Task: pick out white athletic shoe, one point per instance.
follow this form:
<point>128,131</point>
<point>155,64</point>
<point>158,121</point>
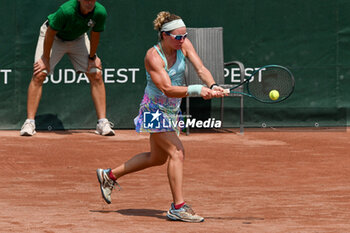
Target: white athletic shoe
<point>185,213</point>
<point>28,128</point>
<point>104,128</point>
<point>106,184</point>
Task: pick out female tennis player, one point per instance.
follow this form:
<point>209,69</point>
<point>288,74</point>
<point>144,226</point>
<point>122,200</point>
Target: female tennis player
<point>165,67</point>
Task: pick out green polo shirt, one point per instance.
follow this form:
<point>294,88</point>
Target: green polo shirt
<point>71,24</point>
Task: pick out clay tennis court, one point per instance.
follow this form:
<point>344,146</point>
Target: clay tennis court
<point>262,181</point>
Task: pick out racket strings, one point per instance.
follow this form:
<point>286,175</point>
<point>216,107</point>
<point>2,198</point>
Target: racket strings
<point>273,78</point>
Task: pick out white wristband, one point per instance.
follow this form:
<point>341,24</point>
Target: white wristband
<point>194,90</point>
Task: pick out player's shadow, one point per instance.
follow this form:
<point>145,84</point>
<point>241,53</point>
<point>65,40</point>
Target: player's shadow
<point>161,215</point>
<point>137,212</point>
<point>245,220</point>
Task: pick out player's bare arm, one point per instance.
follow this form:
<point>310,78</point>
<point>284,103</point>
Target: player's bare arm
<point>201,70</point>
<point>155,67</point>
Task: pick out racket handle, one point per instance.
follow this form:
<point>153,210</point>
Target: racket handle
<point>226,91</point>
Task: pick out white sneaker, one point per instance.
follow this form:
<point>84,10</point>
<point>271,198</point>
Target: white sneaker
<point>106,184</point>
<point>185,213</point>
<point>28,128</point>
<point>104,128</point>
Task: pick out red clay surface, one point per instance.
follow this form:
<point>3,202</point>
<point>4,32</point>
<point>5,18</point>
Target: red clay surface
<point>257,182</point>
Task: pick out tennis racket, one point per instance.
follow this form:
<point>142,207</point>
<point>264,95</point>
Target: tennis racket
<point>268,84</point>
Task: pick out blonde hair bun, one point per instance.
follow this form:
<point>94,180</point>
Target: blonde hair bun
<point>162,18</point>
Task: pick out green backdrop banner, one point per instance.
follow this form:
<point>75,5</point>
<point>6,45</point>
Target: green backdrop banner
<point>311,38</point>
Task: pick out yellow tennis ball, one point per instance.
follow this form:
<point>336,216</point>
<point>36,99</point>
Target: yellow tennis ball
<point>274,95</point>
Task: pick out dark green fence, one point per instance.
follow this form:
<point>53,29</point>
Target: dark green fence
<point>309,37</point>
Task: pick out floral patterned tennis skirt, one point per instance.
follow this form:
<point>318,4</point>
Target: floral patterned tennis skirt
<point>159,114</point>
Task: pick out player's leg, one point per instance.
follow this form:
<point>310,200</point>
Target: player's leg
<point>158,156</point>
<point>79,56</point>
<point>36,83</point>
<point>170,143</point>
<point>108,177</point>
<point>163,146</point>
